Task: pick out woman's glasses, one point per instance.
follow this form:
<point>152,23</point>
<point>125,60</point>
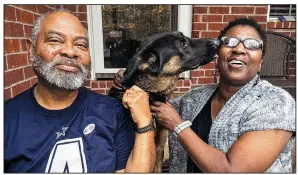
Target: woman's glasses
<point>249,43</point>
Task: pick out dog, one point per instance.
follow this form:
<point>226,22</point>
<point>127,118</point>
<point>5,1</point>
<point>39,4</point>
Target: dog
<point>156,67</point>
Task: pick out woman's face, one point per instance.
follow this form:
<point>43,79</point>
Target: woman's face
<point>238,65</point>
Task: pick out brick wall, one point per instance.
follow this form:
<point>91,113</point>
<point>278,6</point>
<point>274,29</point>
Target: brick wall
<point>208,20</point>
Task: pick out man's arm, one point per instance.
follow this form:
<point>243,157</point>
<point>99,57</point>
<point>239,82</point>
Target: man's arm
<point>142,157</point>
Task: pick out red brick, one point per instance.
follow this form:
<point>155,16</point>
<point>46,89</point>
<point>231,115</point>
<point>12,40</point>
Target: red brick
<point>9,13</point>
<point>16,60</point>
<point>259,18</point>
<point>271,25</point>
<point>194,81</point>
<point>87,83</point>
<point>102,84</point>
<point>82,16</point>
<point>205,80</point>
<point>293,25</point>
<point>94,84</point>
<point>209,73</point>
<point>210,65</point>
<point>210,34</point>
<point>13,29</point>
<point>42,9</point>
<point>218,10</point>
<point>5,65</point>
<point>23,44</point>
<point>33,81</point>
<point>82,8</point>
<point>13,76</point>
<point>28,71</point>
<point>199,26</point>
<point>242,10</point>
<point>212,18</point>
<point>109,84</point>
<point>24,17</point>
<point>7,94</point>
<point>85,24</point>
<point>72,8</point>
<point>228,18</point>
<point>199,10</point>
<point>183,89</point>
<point>261,10</point>
<point>195,34</point>
<point>216,26</point>
<point>99,91</point>
<point>19,88</point>
<point>30,7</point>
<point>186,83</point>
<point>263,26</point>
<point>11,45</point>
<point>179,83</point>
<point>28,30</point>
<point>196,18</point>
<point>196,73</point>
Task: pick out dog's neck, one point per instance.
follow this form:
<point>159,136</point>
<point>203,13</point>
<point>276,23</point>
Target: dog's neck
<point>157,84</point>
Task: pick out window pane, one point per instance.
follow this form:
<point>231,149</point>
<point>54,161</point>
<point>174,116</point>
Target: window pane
<point>282,10</point>
<point>124,26</point>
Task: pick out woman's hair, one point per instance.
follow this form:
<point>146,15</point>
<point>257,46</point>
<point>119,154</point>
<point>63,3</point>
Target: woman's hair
<point>246,22</point>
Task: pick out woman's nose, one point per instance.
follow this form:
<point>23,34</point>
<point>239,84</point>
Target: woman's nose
<point>239,48</point>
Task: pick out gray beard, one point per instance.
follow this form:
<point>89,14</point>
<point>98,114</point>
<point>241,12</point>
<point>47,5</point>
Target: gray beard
<point>60,78</point>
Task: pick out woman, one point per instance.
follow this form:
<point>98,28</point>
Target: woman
<point>243,124</point>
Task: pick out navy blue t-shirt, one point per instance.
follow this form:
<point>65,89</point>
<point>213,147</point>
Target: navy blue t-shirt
<point>91,135</point>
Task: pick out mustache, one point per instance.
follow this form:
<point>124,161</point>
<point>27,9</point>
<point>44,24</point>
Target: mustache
<point>68,62</point>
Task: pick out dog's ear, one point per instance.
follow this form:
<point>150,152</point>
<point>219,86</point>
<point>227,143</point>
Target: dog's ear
<point>131,70</point>
<point>151,64</point>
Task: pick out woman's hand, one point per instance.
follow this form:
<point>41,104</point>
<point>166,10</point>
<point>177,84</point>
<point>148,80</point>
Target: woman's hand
<point>137,101</point>
<point>166,115</point>
<point>118,80</point>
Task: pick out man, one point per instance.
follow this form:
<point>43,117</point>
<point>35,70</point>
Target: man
<point>60,126</point>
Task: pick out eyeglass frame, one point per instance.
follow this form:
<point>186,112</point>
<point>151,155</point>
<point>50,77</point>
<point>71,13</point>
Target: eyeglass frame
<point>242,41</point>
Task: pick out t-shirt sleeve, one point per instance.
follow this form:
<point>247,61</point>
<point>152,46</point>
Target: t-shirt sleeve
<point>125,137</point>
<point>274,111</point>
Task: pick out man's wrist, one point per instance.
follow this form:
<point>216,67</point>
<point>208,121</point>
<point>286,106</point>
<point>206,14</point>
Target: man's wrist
<point>140,129</point>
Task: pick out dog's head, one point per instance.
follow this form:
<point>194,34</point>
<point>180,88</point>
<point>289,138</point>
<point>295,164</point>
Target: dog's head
<point>168,54</point>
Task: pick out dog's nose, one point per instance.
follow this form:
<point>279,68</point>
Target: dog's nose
<point>216,42</point>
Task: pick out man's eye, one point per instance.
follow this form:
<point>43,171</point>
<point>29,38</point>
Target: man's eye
<point>82,45</point>
<point>54,40</point>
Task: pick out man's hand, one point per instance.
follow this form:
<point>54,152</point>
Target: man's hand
<point>118,80</point>
<point>137,101</point>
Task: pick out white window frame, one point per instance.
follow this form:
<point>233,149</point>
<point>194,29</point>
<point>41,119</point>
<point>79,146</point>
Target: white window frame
<point>95,35</point>
<point>274,18</point>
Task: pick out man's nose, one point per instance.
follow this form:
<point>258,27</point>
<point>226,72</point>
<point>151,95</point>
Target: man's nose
<point>68,50</point>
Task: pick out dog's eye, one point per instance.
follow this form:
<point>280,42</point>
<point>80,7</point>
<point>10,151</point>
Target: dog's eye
<point>184,45</point>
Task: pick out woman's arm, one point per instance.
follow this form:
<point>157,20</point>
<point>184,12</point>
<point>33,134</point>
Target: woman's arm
<point>254,151</point>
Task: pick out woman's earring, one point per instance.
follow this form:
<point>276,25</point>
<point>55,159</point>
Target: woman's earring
<point>215,70</point>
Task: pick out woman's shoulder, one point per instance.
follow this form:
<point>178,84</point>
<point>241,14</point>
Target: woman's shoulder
<point>270,91</point>
<point>202,91</point>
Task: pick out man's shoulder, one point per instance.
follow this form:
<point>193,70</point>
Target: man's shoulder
<point>19,100</point>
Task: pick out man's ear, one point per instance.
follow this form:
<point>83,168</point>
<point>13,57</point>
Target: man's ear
<point>30,46</point>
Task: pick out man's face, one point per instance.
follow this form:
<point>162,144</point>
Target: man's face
<point>61,55</point>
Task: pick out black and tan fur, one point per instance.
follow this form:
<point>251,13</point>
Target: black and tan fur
<point>156,67</point>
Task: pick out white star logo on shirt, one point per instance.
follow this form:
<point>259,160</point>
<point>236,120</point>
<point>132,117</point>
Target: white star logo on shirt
<point>61,133</point>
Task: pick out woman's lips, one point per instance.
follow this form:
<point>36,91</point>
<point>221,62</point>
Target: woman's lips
<point>67,68</point>
<point>236,63</point>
